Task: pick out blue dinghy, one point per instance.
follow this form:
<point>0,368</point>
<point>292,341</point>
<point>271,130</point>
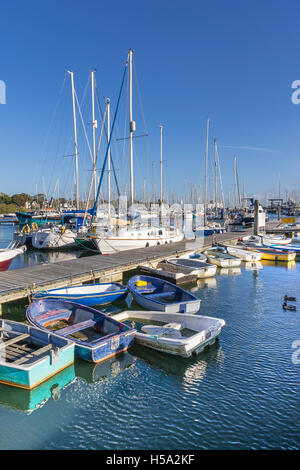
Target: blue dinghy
<point>97,337</point>
<point>29,356</point>
<point>88,294</point>
<point>156,294</point>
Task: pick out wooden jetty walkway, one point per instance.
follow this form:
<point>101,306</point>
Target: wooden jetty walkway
<point>21,283</point>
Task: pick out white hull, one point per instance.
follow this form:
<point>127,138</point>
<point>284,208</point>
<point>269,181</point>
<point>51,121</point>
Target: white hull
<point>7,254</point>
<point>53,239</point>
<point>206,330</point>
<point>223,263</point>
<point>244,255</point>
<point>202,271</point>
<point>108,245</point>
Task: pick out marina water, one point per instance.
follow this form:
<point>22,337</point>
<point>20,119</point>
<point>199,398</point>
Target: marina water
<point>241,393</point>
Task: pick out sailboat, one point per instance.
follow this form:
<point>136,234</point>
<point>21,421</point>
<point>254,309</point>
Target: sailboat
<point>117,238</point>
<point>62,236</point>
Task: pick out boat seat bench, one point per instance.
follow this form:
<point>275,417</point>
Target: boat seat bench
<point>77,327</point>
<point>16,339</point>
<point>36,353</point>
<point>160,294</point>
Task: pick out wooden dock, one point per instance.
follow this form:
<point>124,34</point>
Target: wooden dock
<point>21,283</point>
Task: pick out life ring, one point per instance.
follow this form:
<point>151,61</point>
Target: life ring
<point>26,229</point>
<point>34,226</point>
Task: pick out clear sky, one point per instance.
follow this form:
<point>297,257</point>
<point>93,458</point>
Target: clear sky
<point>233,61</point>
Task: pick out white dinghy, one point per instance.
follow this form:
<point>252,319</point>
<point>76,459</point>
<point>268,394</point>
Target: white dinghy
<point>242,254</point>
<point>194,266</point>
<point>177,334</point>
<point>217,255</point>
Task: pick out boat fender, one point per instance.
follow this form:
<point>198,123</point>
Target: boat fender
<point>141,283</point>
<point>34,226</point>
<point>26,229</point>
<point>63,229</point>
<point>55,392</point>
<point>54,356</point>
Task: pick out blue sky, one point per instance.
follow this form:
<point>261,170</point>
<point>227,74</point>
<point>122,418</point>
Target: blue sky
<point>233,61</point>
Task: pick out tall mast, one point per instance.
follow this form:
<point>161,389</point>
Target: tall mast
<point>75,140</point>
<point>237,198</point>
<point>234,175</point>
<point>206,163</point>
<point>94,125</point>
<point>108,156</point>
<point>215,168</point>
<point>161,162</point>
<point>131,127</point>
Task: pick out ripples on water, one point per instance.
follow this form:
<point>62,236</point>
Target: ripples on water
<point>243,392</point>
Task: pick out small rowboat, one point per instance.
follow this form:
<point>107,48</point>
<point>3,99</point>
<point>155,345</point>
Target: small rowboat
<point>177,334</point>
<point>29,356</point>
<point>218,255</point>
<point>88,294</point>
<point>272,254</point>
<point>288,248</point>
<point>156,294</point>
<point>278,239</point>
<point>193,266</point>
<point>8,254</point>
<point>194,256</point>
<point>243,254</point>
<point>97,337</point>
<point>267,240</point>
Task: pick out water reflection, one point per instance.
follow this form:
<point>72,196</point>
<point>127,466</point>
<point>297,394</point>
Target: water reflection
<point>183,368</point>
<point>282,264</point>
<point>96,372</point>
<point>252,266</point>
<point>210,282</point>
<point>30,400</point>
<point>228,271</point>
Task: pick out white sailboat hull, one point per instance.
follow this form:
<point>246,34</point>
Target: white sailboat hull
<point>110,245</point>
<point>53,240</point>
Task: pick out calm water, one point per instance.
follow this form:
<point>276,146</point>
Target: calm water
<point>241,393</point>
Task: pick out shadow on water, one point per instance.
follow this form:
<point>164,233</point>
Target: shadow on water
<point>92,373</point>
<point>179,366</point>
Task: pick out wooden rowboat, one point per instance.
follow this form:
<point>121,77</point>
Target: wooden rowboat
<point>97,337</point>
<point>272,254</point>
<point>88,294</point>
<point>218,255</point>
<point>29,356</point>
<point>156,294</point>
<point>194,266</point>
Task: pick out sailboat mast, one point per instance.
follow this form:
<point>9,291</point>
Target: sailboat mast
<point>206,163</point>
<point>94,125</point>
<point>215,168</point>
<point>131,127</point>
<point>75,140</point>
<point>235,184</point>
<point>161,163</point>
<point>108,156</point>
